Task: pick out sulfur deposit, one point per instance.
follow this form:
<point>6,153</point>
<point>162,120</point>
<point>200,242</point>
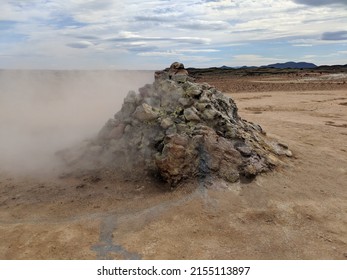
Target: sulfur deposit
<point>176,129</point>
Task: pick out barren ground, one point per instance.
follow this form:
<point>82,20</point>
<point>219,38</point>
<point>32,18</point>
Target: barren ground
<point>299,211</point>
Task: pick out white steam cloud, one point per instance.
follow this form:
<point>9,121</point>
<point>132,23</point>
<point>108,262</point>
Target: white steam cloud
<point>42,112</point>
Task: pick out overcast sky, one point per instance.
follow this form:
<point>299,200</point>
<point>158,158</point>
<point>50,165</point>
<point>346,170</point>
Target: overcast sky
<point>140,34</point>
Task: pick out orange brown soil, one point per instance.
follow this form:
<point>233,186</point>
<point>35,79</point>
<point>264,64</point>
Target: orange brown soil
<point>299,211</point>
<point>265,80</point>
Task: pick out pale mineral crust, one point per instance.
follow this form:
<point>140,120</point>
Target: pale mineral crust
<point>176,129</point>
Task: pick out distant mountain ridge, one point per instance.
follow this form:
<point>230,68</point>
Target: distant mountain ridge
<point>289,64</point>
<point>293,65</point>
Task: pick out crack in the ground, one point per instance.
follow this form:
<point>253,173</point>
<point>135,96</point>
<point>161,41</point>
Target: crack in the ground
<point>108,226</point>
<point>111,221</point>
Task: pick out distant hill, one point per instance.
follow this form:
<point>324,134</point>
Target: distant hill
<point>293,65</point>
<point>264,70</point>
<point>332,67</point>
<point>290,64</point>
<point>226,67</point>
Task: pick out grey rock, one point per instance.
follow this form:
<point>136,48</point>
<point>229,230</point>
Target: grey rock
<point>191,114</point>
<point>117,132</point>
<point>192,89</point>
<point>204,98</point>
<point>128,128</point>
<point>145,112</point>
<point>171,130</point>
<point>183,128</point>
<point>200,106</point>
<point>209,114</point>
<point>178,129</point>
<point>169,97</point>
<point>166,123</point>
<point>105,131</point>
<point>186,102</point>
<point>127,109</point>
<point>131,97</point>
<point>178,73</point>
<point>153,102</point>
<point>244,150</point>
<point>228,173</point>
<point>180,77</point>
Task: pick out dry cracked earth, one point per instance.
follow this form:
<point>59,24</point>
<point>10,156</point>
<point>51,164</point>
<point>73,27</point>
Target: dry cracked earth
<point>298,211</point>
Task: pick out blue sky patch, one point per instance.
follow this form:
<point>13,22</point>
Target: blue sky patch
<point>65,21</point>
<point>7,24</point>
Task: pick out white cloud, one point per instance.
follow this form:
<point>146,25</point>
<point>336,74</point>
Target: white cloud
<point>80,44</point>
<point>199,50</point>
<point>179,52</point>
<point>302,45</point>
<point>164,54</point>
<point>309,56</point>
<point>75,28</point>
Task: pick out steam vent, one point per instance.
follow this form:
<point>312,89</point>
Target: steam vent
<point>175,129</point>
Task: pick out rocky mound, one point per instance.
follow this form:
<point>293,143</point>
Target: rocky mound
<point>177,129</point>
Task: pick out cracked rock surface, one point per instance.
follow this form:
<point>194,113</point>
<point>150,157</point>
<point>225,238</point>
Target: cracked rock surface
<point>176,129</point>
